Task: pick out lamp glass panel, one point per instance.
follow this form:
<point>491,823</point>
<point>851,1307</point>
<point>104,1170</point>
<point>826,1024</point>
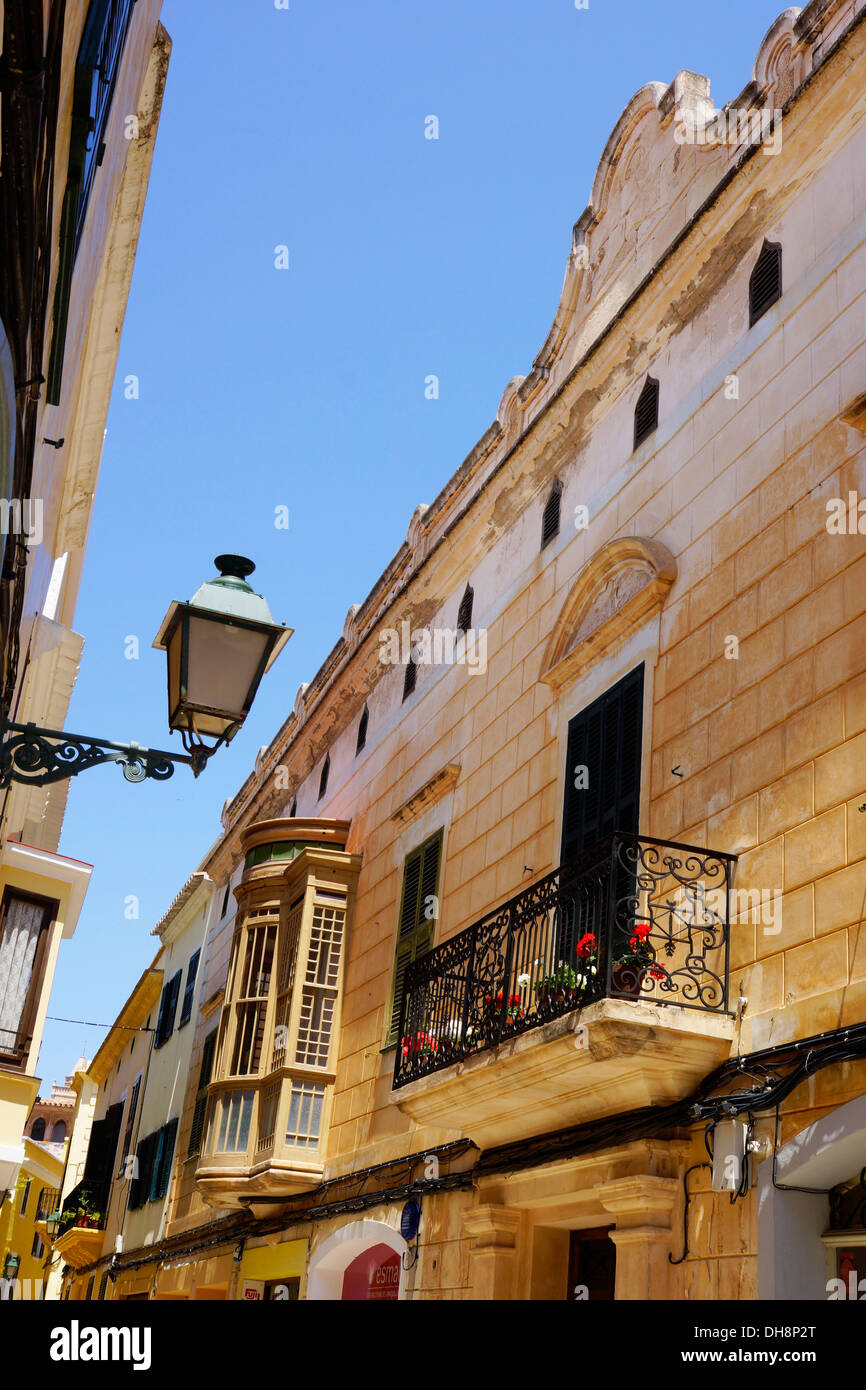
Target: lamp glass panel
<point>222,664</point>
<point>175,643</point>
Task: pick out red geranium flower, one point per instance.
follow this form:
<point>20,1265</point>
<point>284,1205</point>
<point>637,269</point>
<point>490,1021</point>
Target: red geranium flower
<point>586,945</point>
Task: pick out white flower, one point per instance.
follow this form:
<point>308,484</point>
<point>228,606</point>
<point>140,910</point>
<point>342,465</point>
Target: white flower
<point>522,980</point>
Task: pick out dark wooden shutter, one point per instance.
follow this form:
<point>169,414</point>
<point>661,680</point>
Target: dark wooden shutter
<point>141,1184</point>
<point>191,972</point>
<point>204,1076</point>
<point>550,519</point>
<point>606,739</point>
<point>163,1160</point>
<point>415,937</point>
<point>167,1010</point>
<point>765,282</point>
<point>464,612</point>
<point>646,414</point>
<point>101,1150</point>
<point>362,730</point>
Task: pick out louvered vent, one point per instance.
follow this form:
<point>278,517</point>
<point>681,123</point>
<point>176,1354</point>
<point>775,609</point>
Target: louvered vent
<point>362,730</point>
<point>464,613</point>
<point>323,780</point>
<point>550,520</point>
<point>765,282</point>
<point>646,412</point>
<point>410,677</point>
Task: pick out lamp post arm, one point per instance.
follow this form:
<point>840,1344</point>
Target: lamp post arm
<point>37,756</point>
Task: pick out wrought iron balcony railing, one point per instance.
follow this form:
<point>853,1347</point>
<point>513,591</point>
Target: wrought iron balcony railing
<point>633,918</point>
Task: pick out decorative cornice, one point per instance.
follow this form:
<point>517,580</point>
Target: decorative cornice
<point>432,791</point>
<point>622,585</point>
<point>188,893</point>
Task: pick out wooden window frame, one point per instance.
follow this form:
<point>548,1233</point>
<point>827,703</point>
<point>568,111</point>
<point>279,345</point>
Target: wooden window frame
<point>18,1059</point>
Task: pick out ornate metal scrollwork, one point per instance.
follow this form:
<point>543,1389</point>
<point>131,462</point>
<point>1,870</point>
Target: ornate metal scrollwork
<point>633,918</point>
<point>38,757</point>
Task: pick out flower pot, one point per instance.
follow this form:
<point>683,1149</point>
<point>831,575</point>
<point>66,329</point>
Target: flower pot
<point>627,979</point>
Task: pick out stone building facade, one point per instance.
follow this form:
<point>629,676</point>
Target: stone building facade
<point>580,786</point>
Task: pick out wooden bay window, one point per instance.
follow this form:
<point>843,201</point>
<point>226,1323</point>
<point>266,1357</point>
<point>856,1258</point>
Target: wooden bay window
<point>275,1062</point>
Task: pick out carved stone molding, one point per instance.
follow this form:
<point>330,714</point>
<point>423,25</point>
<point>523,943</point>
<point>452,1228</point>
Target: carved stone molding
<point>432,791</point>
<point>622,585</point>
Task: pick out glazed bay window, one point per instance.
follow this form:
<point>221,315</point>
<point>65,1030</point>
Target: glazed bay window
<point>232,1122</point>
<point>275,1062</point>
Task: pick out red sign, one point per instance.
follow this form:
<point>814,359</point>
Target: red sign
<point>373,1276</point>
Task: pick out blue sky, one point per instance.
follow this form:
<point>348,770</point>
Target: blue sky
<point>304,388</point>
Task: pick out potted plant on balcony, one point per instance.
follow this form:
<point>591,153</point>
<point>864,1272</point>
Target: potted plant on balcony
<point>561,986</point>
<point>419,1044</point>
<point>493,1007</point>
<point>630,967</point>
<point>82,1213</point>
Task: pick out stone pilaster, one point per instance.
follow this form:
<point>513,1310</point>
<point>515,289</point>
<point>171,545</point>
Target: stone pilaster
<point>643,1207</point>
<point>494,1232</point>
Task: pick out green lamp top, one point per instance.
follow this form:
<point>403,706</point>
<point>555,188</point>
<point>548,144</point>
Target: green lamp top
<point>231,594</point>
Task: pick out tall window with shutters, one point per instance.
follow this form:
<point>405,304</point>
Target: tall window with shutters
<point>419,909</point>
<point>189,991</point>
<point>603,772</point>
<point>205,1072</point>
<point>167,1010</point>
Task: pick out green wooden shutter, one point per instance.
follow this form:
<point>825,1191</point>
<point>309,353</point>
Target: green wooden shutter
<point>204,1075</point>
<point>417,929</point>
<point>162,1166</point>
<point>189,991</point>
<point>167,1010</point>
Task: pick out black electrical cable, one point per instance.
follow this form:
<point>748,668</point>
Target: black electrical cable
<point>686,1200</point>
<point>786,1186</point>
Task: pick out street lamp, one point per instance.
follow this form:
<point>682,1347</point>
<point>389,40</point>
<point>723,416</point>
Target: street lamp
<point>52,1225</point>
<point>218,647</point>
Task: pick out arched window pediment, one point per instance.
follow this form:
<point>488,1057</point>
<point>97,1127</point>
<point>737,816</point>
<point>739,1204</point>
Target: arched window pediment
<point>619,587</point>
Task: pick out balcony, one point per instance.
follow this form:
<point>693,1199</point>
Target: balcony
<point>601,988</point>
<point>82,1225</point>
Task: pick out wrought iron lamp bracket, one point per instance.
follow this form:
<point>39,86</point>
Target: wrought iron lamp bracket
<point>37,757</point>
